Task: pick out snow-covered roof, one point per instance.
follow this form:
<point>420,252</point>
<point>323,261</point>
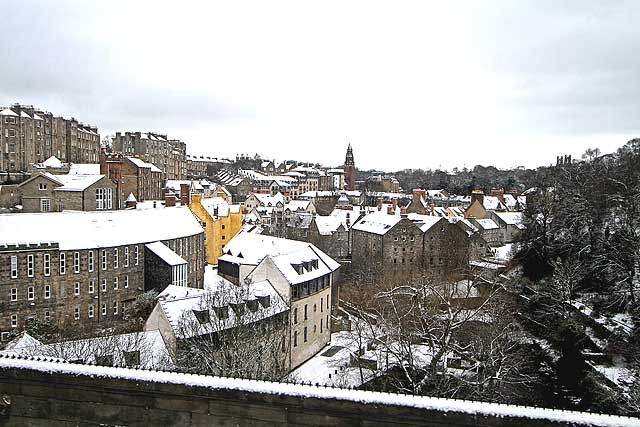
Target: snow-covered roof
<point>378,222</point>
<point>84,169</point>
<point>252,248</point>
<point>8,112</point>
<point>131,198</point>
<point>24,115</point>
<point>86,230</point>
<point>142,164</point>
<point>493,203</point>
<point>165,253</point>
<point>174,184</point>
<point>268,199</point>
<point>53,162</point>
<point>327,225</point>
<point>511,218</point>
<point>487,224</point>
<point>305,255</point>
<point>180,305</point>
<point>424,222</point>
<point>218,207</point>
<point>298,205</point>
<point>21,341</point>
<point>153,352</point>
<point>77,182</point>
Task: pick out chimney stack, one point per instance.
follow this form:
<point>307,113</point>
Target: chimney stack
<point>477,195</point>
<point>390,210</point>
<point>379,203</point>
<point>403,213</point>
<point>169,200</point>
<point>185,191</point>
<point>394,203</point>
<point>499,193</point>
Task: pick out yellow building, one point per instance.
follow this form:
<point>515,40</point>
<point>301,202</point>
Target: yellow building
<point>221,222</point>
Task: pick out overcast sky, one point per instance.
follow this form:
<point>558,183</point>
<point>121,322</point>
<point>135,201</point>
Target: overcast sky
<point>409,84</point>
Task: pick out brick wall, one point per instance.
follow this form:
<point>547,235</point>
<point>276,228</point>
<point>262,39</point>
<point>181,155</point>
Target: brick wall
<point>61,394</point>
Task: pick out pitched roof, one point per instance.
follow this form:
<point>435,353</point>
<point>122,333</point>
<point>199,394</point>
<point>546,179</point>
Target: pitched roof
<point>52,162</point>
<point>165,253</point>
<point>84,169</point>
<point>378,222</point>
<point>86,230</point>
<point>77,182</point>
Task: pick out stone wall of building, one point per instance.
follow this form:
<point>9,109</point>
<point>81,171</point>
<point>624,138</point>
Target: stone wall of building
<point>36,393</point>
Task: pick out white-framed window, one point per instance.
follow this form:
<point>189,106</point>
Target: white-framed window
<point>126,256</point>
<point>30,262</point>
<point>14,294</point>
<point>14,266</point>
<point>63,263</point>
<point>46,263</point>
<point>115,258</point>
<point>104,198</point>
<point>137,254</point>
<point>103,286</point>
<point>104,308</point>
<point>90,262</point>
<point>91,310</point>
<point>126,281</point>
<point>76,313</point>
<point>31,295</point>
<point>76,288</point>
<point>76,262</point>
<point>104,259</point>
<point>14,320</point>
<point>45,205</point>
<point>42,186</point>
<point>47,291</point>
<point>47,315</point>
<point>115,283</point>
<point>91,286</point>
<point>115,308</point>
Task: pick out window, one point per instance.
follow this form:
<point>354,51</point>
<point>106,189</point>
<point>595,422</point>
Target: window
<point>47,316</point>
<point>104,198</point>
<point>76,313</point>
<point>14,320</point>
<point>126,282</point>
<point>90,261</point>
<point>327,302</point>
<point>91,310</point>
<point>76,262</point>
<point>76,288</point>
<point>91,286</point>
<point>14,266</point>
<point>14,294</point>
<point>295,338</point>
<point>115,258</point>
<point>137,254</point>
<point>104,259</point>
<point>63,265</point>
<point>30,265</point>
<point>115,283</point>
<point>305,313</point>
<point>104,308</point>
<point>115,308</point>
<point>45,205</point>
<point>321,325</point>
<point>126,256</point>
<point>31,293</point>
<point>104,285</point>
<point>305,334</point>
<point>315,308</point>
<point>47,291</point>
<point>131,358</point>
<point>46,261</point>
<point>327,321</point>
<point>295,316</point>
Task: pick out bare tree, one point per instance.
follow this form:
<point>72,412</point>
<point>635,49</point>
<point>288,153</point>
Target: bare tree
<point>230,333</point>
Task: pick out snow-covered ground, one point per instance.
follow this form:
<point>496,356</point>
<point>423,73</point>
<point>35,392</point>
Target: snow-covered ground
<point>620,322</point>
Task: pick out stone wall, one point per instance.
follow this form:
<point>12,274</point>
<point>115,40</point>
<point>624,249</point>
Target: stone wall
<point>40,393</point>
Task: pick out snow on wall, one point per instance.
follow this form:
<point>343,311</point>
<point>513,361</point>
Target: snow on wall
<point>308,391</point>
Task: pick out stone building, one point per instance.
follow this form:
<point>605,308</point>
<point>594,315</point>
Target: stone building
<point>74,268</point>
<point>45,192</point>
<point>132,176</point>
<point>397,248</point>
<point>382,184</point>
<point>304,276</point>
<point>30,135</point>
<point>221,221</point>
<point>170,155</point>
<point>239,187</point>
<point>349,170</point>
<point>204,166</point>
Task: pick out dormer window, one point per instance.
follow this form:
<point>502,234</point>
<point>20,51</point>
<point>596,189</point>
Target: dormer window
<point>202,316</point>
<point>265,301</point>
<point>222,312</point>
<point>252,305</point>
<point>238,309</point>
